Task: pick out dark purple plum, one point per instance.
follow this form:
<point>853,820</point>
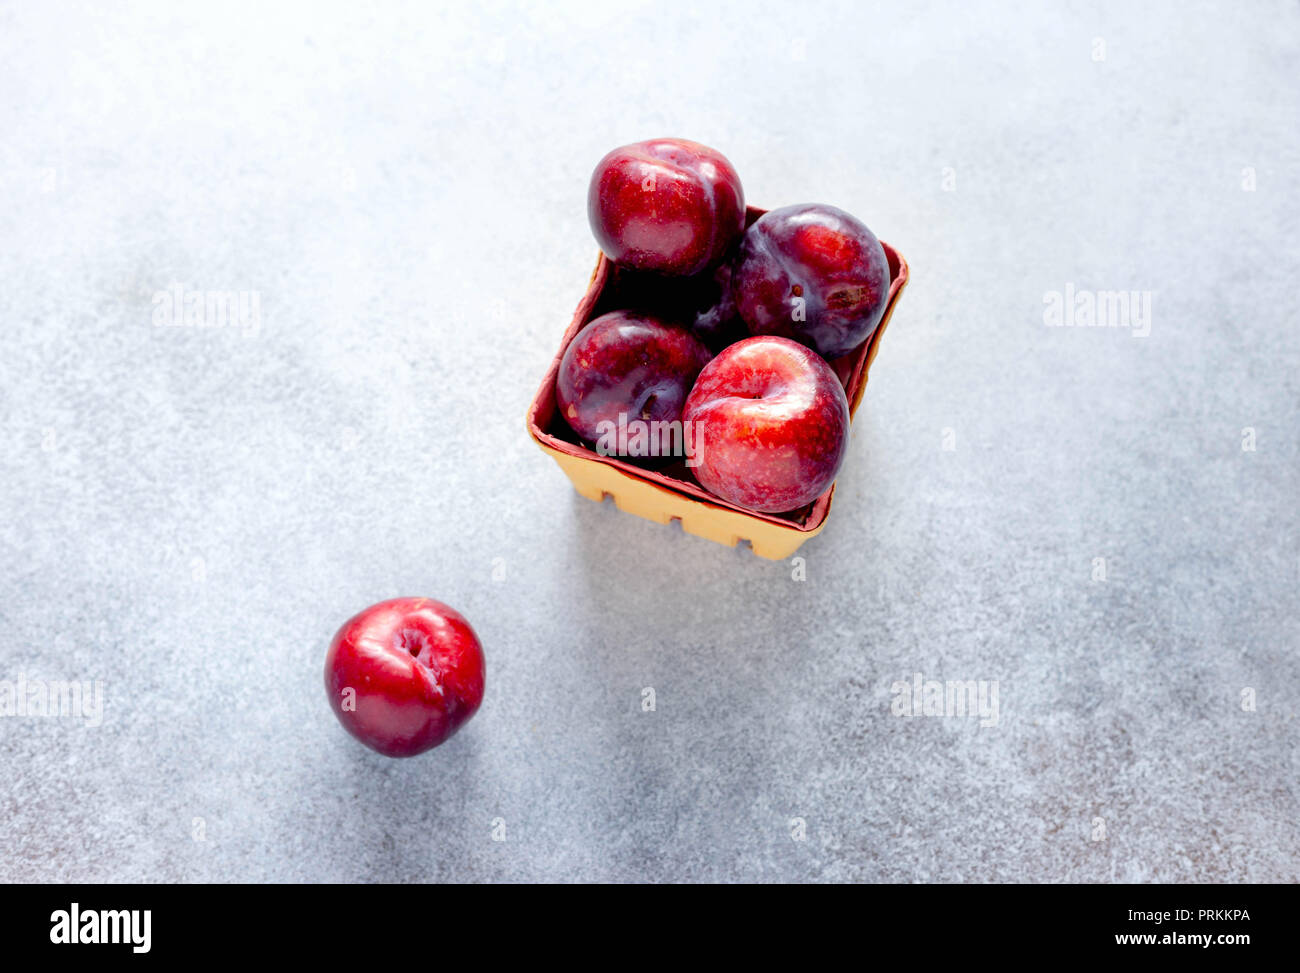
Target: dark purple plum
<point>668,206</point>
<point>812,273</point>
<point>627,364</point>
<point>715,318</point>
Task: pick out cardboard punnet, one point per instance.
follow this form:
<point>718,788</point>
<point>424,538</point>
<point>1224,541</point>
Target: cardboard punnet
<point>671,494</point>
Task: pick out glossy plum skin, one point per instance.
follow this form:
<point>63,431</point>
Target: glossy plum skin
<point>629,363</point>
<point>715,318</point>
<point>771,425</point>
<point>415,670</point>
<point>668,206</point>
<point>812,273</point>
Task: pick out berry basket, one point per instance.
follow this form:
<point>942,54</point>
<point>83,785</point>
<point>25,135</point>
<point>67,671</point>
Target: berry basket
<point>671,493</point>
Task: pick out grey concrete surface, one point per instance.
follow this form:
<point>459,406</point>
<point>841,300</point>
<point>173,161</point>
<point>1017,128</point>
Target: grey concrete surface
<point>1101,521</point>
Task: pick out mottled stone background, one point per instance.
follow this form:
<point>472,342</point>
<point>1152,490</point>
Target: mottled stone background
<point>188,514</point>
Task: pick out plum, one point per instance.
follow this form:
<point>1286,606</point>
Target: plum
<point>714,317</point>
<point>668,206</point>
<point>812,273</point>
<point>624,367</point>
<point>770,425</point>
